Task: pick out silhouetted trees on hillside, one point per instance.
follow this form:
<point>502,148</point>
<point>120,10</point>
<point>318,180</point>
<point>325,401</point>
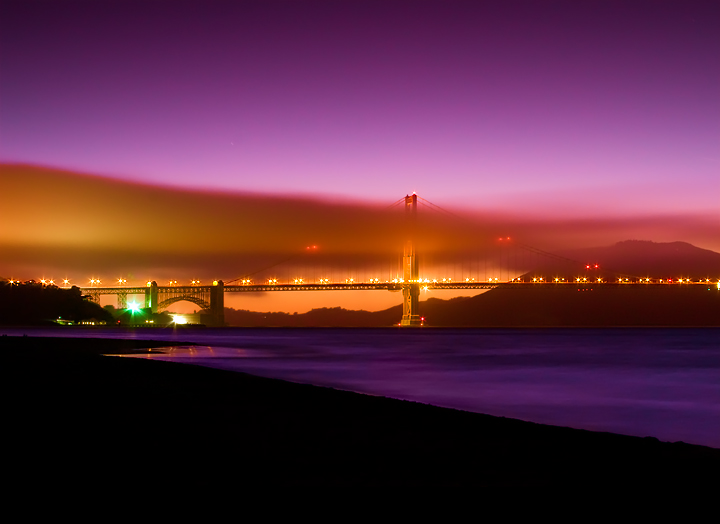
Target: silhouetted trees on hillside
<point>35,303</point>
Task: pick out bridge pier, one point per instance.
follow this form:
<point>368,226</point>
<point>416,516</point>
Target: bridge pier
<point>411,299</point>
<point>151,297</point>
<point>217,303</point>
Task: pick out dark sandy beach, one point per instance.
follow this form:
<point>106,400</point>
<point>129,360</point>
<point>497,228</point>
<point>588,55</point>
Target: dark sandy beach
<point>110,419</point>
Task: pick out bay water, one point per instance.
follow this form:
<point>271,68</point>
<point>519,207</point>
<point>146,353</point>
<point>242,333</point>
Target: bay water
<point>659,382</point>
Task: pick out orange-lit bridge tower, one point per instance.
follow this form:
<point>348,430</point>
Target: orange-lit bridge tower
<point>411,284</point>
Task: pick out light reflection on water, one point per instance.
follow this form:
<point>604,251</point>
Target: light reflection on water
<point>657,382</point>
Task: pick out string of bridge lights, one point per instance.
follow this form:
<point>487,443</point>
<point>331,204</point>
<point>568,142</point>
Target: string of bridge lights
<point>122,282</point>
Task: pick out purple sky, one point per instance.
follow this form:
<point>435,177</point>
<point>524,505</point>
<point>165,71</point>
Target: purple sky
<point>569,108</point>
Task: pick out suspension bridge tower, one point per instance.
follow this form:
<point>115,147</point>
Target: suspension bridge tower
<point>411,284</point>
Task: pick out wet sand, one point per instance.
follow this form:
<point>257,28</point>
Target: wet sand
<point>113,421</point>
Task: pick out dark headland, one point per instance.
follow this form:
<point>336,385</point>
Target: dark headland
<point>114,422</point>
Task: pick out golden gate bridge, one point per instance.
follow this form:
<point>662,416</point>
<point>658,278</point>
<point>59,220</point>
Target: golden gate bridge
<point>211,298</point>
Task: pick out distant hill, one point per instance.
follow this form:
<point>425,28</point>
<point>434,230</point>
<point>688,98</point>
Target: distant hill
<point>569,305</point>
<point>642,258</point>
<point>323,317</point>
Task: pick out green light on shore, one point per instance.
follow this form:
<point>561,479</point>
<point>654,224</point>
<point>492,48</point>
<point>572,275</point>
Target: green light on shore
<point>134,307</point>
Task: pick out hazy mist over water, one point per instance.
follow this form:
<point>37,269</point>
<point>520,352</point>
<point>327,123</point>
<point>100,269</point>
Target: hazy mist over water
<point>644,382</point>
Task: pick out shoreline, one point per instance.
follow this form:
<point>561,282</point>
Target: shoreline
<point>77,408</point>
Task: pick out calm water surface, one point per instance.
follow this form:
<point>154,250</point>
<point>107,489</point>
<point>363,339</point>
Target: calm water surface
<point>646,382</point>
